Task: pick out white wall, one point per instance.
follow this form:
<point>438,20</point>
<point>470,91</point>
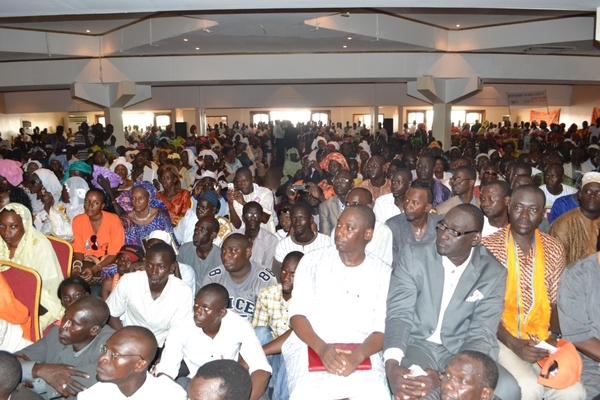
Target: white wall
<point>50,108</point>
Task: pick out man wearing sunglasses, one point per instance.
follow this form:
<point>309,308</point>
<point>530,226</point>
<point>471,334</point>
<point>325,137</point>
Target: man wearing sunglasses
<point>444,297</point>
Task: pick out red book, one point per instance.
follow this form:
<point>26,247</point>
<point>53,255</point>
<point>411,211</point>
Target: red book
<point>315,364</point>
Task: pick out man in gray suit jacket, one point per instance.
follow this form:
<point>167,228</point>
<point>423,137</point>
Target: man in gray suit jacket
<point>444,297</point>
<point>330,209</point>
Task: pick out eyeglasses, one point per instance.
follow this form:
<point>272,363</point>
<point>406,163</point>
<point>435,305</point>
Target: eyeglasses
<point>111,356</point>
<point>35,182</point>
<point>94,240</point>
<point>452,232</point>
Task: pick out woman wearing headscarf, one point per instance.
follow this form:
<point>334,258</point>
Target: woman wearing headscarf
<point>11,174</point>
<point>80,169</point>
<point>177,200</point>
<point>22,244</point>
<point>147,214</point>
<point>122,168</point>
<point>61,214</point>
<point>45,190</point>
<point>30,167</point>
<point>292,164</point>
<point>331,164</point>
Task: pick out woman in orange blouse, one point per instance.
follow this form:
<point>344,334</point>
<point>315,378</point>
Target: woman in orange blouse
<point>177,200</point>
<point>96,233</point>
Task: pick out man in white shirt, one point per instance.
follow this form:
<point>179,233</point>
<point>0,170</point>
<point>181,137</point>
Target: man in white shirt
<point>392,204</point>
<point>263,242</point>
<point>553,187</point>
<point>214,334</point>
<point>494,199</point>
<point>444,297</point>
<point>245,190</point>
<point>153,298</point>
<point>339,298</point>
<point>122,370</point>
<point>381,244</point>
<point>304,239</point>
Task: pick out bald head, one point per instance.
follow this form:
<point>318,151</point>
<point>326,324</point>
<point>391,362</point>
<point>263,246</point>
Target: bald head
<point>97,311</point>
<point>364,212</point>
<point>139,340</point>
<point>531,192</point>
<point>360,196</point>
<point>239,239</point>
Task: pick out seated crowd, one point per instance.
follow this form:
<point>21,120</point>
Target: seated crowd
<point>415,272</point>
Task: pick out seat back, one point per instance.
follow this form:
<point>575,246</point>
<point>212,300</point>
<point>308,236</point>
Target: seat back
<point>26,284</point>
<point>64,253</point>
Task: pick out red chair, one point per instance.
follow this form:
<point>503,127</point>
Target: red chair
<point>27,287</point>
<point>64,253</point>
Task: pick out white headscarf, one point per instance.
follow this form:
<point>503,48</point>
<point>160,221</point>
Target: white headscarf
<point>121,161</point>
<point>77,188</point>
<point>211,153</point>
<point>50,182</point>
<point>191,156</point>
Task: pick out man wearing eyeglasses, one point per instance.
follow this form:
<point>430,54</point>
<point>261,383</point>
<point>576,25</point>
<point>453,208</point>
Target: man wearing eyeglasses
<point>444,297</point>
<point>462,184</point>
<point>122,369</point>
<point>63,363</point>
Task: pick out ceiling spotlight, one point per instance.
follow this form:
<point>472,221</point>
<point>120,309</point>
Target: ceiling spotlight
<point>87,31</point>
<point>197,48</point>
<point>349,38</point>
<point>346,14</point>
<point>345,46</point>
<point>185,40</point>
<point>458,25</point>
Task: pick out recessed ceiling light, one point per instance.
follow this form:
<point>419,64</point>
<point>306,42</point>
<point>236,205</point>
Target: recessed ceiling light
<point>345,46</point>
<point>349,38</point>
<point>87,30</point>
<point>197,48</point>
<point>185,40</point>
<point>458,25</point>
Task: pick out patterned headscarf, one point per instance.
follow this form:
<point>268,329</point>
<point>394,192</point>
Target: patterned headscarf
<point>335,157</point>
<point>154,202</point>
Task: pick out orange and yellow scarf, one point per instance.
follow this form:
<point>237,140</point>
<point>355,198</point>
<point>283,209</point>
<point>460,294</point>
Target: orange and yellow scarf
<point>535,321</point>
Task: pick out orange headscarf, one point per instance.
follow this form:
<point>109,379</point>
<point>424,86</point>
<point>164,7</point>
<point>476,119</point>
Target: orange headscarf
<point>12,310</point>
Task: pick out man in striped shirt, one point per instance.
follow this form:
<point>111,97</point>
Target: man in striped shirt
<point>517,247</point>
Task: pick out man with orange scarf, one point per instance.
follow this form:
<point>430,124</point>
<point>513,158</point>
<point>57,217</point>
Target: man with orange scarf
<point>534,263</point>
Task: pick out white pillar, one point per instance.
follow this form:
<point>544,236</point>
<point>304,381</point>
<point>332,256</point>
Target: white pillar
<point>441,123</point>
<point>114,116</point>
<point>374,118</point>
<point>201,118</point>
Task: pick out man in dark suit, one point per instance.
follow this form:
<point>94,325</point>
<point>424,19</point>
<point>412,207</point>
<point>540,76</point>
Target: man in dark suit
<point>444,297</point>
<point>330,209</point>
